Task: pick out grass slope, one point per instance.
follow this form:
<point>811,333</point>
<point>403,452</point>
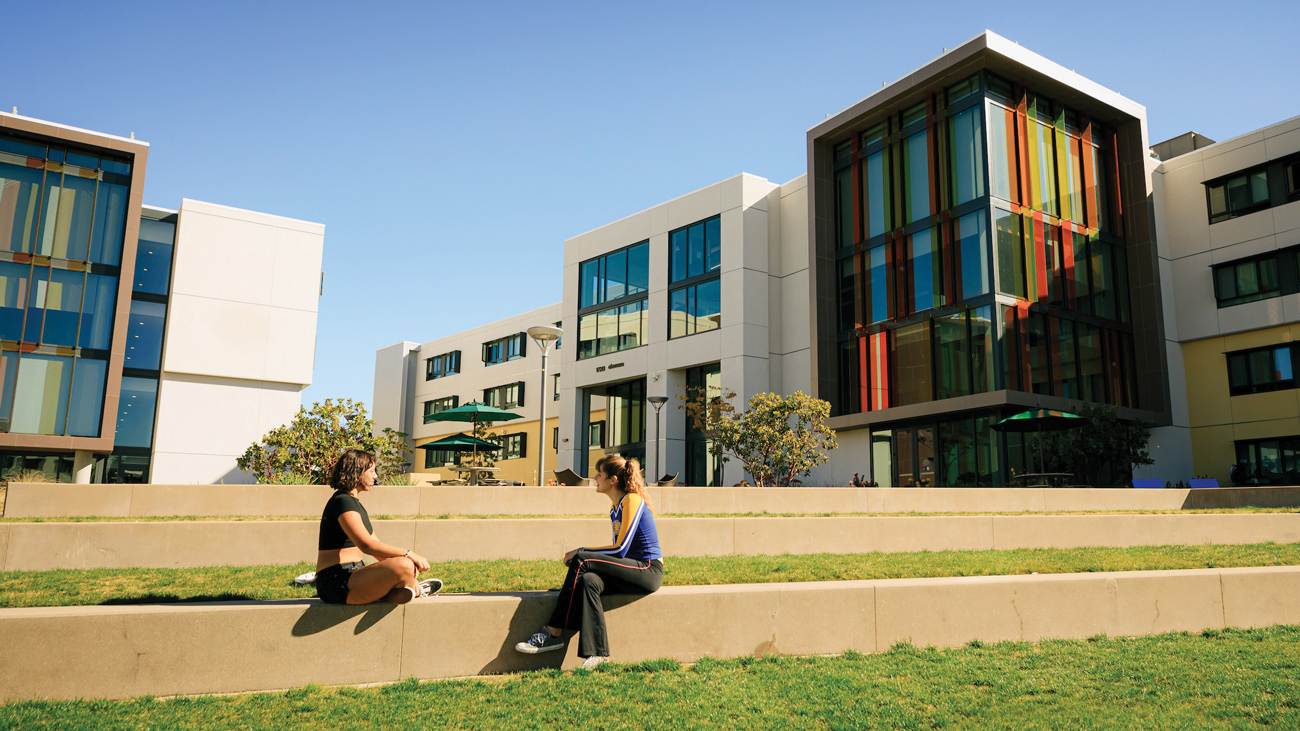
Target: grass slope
<point>130,586</point>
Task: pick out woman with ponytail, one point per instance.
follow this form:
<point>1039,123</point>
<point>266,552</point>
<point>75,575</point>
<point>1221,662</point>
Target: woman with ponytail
<point>633,564</point>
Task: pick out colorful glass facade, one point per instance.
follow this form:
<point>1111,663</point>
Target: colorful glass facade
<point>978,248</point>
<point>63,215</point>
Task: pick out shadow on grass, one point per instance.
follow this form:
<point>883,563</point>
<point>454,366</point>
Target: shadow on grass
<point>173,599</point>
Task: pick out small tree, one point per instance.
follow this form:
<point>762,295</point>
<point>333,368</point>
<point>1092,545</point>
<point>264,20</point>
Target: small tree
<point>1103,451</point>
<point>483,457</point>
<point>304,450</point>
<point>777,438</point>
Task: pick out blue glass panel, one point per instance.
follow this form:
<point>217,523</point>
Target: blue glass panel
<point>144,335</point>
<point>917,166</point>
<point>20,199</point>
<point>62,307</point>
<point>83,160</point>
<point>588,282</point>
<point>712,244</point>
<point>19,147</point>
<point>615,275</point>
<point>135,413</point>
<point>923,270</point>
<point>110,224</point>
<point>97,312</point>
<point>86,405</point>
<point>638,268</point>
<point>110,165</point>
<point>679,246</point>
<point>696,267</point>
<point>1282,364</point>
<point>153,257</point>
<point>967,156</point>
<point>14,280</point>
<point>879,286</point>
<point>708,306</point>
<point>36,293</point>
<point>875,192</point>
<point>677,313</point>
<point>41,394</point>
<point>973,245</point>
<point>69,209</point>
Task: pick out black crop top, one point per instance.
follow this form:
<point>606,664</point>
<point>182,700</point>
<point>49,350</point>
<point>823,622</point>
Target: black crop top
<point>332,536</point>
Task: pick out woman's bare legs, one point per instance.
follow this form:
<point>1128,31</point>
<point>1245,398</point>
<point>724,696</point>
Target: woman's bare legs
<point>389,579</point>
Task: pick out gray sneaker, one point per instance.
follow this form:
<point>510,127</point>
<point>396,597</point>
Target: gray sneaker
<point>541,642</point>
<point>429,587</point>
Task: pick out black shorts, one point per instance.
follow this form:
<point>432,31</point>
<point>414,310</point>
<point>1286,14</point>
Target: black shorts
<point>332,582</point>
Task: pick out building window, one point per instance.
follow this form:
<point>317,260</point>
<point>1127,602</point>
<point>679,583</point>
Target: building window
<point>560,340</point>
<point>440,366</point>
<point>1237,195</point>
<point>516,446</point>
<point>1293,179</point>
<point>555,438</point>
<point>556,381</point>
<point>596,435</point>
<point>695,261</point>
<point>1260,370</point>
<point>703,463</point>
<point>509,396</point>
<point>1267,461</point>
<point>437,406</point>
<point>1239,282</point>
<point>613,309</point>
<point>504,349</point>
<point>434,458</point>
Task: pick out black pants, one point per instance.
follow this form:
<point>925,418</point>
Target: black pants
<point>590,576</point>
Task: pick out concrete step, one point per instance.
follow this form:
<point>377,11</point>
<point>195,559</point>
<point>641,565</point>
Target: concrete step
<point>177,544</point>
<point>30,500</point>
<point>123,651</point>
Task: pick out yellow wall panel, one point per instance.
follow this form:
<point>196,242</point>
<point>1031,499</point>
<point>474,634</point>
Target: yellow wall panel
<point>1207,382</point>
<point>1265,406</point>
<point>1213,452</point>
<point>1266,429</point>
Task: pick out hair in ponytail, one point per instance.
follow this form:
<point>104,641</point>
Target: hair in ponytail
<point>628,474</point>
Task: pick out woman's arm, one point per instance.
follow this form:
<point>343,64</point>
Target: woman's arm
<point>633,506</point>
<point>371,546</point>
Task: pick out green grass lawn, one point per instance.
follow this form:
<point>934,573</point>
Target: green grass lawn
<point>1236,679</point>
<point>600,514</point>
<point>68,587</point>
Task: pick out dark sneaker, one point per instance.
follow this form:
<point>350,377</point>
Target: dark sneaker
<point>540,642</point>
<point>429,587</point>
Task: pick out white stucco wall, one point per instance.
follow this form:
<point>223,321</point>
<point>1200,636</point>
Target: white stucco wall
<point>241,337</point>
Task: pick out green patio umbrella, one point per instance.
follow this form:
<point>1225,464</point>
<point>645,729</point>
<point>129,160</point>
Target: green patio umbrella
<point>473,412</point>
<point>460,443</point>
<point>1040,420</point>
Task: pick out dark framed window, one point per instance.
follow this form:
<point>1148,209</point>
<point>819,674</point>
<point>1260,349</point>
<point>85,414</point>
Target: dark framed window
<point>556,394</point>
<point>1260,370</point>
<point>695,263</point>
<point>1237,194</point>
<point>438,457</point>
<point>1266,461</point>
<point>596,435</point>
<point>509,396</point>
<point>440,366</point>
<point>1293,179</point>
<point>439,405</point>
<point>504,349</point>
<point>1254,279</point>
<point>555,438</point>
<point>613,305</point>
<point>515,446</point>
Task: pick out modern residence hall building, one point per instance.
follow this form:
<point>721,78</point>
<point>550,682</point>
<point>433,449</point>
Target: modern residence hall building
<point>140,344</point>
<point>990,233</point>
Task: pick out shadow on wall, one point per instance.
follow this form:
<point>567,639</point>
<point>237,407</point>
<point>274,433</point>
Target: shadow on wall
<point>533,611</point>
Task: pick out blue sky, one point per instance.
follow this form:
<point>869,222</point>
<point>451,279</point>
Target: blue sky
<point>444,143</point>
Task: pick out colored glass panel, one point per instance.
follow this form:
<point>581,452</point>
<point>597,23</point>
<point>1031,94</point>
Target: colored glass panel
<point>153,257</point>
<point>20,199</point>
<point>87,402</point>
<point>966,150</point>
<point>916,177</point>
<point>63,307</point>
<point>109,224</point>
<point>953,356</point>
<point>913,358</point>
<point>878,360</point>
<point>41,394</point>
<point>14,285</point>
<point>927,271</point>
<point>1002,153</point>
<point>144,335</point>
<point>973,249</point>
<point>878,285</point>
<point>1042,167</point>
<point>875,194</point>
<point>135,412</point>
<point>97,312</point>
<point>1011,255</point>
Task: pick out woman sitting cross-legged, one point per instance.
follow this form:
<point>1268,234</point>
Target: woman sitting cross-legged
<point>632,565</point>
<point>345,534</point>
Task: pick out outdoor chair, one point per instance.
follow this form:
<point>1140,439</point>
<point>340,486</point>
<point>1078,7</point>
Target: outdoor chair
<point>570,478</point>
<point>667,480</point>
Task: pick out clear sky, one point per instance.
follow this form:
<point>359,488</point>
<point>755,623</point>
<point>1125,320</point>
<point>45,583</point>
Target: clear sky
<point>451,148</point>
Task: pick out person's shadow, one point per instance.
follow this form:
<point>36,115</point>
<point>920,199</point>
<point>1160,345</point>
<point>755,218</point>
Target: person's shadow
<point>533,611</point>
<point>320,616</point>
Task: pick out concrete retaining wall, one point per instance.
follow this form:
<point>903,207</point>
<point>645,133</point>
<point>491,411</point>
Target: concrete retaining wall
<point>44,546</point>
<point>123,651</point>
<point>30,500</point>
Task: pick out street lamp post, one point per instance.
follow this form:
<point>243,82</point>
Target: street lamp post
<point>658,402</point>
<point>543,335</point>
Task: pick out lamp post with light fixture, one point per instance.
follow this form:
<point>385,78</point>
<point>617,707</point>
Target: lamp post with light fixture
<point>658,402</point>
<point>543,335</point>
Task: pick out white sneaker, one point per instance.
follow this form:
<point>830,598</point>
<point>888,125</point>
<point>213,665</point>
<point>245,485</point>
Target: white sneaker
<point>429,587</point>
<point>591,662</point>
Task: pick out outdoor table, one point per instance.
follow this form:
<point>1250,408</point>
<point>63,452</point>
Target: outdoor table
<point>475,472</point>
<point>1042,479</point>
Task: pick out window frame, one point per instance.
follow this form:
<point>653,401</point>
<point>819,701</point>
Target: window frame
<point>617,304</point>
<point>1224,180</point>
<point>514,446</point>
<point>598,443</point>
<point>497,396</point>
<point>446,363</point>
<point>439,405</point>
<point>1284,280</point>
<point>1284,384</point>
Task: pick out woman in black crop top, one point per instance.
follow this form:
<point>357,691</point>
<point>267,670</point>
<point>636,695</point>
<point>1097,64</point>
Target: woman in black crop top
<point>346,534</point>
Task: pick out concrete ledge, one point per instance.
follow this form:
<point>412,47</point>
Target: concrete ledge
<point>179,544</point>
<point>30,500</point>
<point>123,651</point>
